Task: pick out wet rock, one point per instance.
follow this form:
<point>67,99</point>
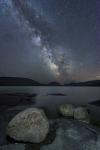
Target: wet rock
<point>81,113</point>
<point>30,125</point>
<point>57,94</point>
<point>74,135</point>
<point>67,110</point>
<point>13,147</point>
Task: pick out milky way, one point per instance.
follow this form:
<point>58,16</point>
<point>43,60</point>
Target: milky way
<point>59,35</point>
<point>56,59</point>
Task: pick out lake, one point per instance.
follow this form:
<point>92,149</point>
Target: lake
<point>47,98</point>
<point>74,95</point>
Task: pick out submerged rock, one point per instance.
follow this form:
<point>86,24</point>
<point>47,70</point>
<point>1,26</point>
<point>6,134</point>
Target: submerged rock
<point>74,135</point>
<point>30,125</point>
<point>57,94</point>
<point>67,110</point>
<point>13,147</point>
<point>81,113</point>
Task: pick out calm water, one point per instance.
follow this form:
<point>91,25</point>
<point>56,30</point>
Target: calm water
<point>74,95</point>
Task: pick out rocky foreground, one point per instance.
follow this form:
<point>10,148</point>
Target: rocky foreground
<point>74,135</point>
<point>30,129</point>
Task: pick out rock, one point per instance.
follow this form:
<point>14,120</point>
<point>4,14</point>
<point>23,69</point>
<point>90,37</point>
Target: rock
<point>57,94</point>
<point>67,110</point>
<point>13,147</point>
<point>81,113</point>
<point>74,135</point>
<point>30,125</point>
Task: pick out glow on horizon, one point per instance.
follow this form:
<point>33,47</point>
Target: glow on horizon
<point>98,77</point>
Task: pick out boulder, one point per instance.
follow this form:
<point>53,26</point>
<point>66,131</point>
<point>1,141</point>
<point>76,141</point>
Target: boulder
<point>81,113</point>
<point>67,110</point>
<point>13,147</point>
<point>30,125</point>
<point>74,135</point>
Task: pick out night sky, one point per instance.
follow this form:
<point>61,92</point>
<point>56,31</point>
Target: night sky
<point>50,40</point>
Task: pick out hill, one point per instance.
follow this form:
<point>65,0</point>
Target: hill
<point>53,84</point>
<point>17,81</point>
<point>87,83</point>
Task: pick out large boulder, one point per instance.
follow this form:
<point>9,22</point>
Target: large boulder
<point>30,125</point>
<point>67,110</point>
<point>81,113</point>
<point>74,135</point>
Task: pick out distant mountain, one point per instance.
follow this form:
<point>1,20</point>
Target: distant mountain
<point>17,81</point>
<point>53,84</point>
<point>86,83</point>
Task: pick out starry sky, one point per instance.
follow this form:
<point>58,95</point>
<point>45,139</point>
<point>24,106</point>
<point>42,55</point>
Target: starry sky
<point>50,40</point>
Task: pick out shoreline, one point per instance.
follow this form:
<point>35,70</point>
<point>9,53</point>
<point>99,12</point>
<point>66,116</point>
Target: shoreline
<point>8,113</point>
<point>20,102</point>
